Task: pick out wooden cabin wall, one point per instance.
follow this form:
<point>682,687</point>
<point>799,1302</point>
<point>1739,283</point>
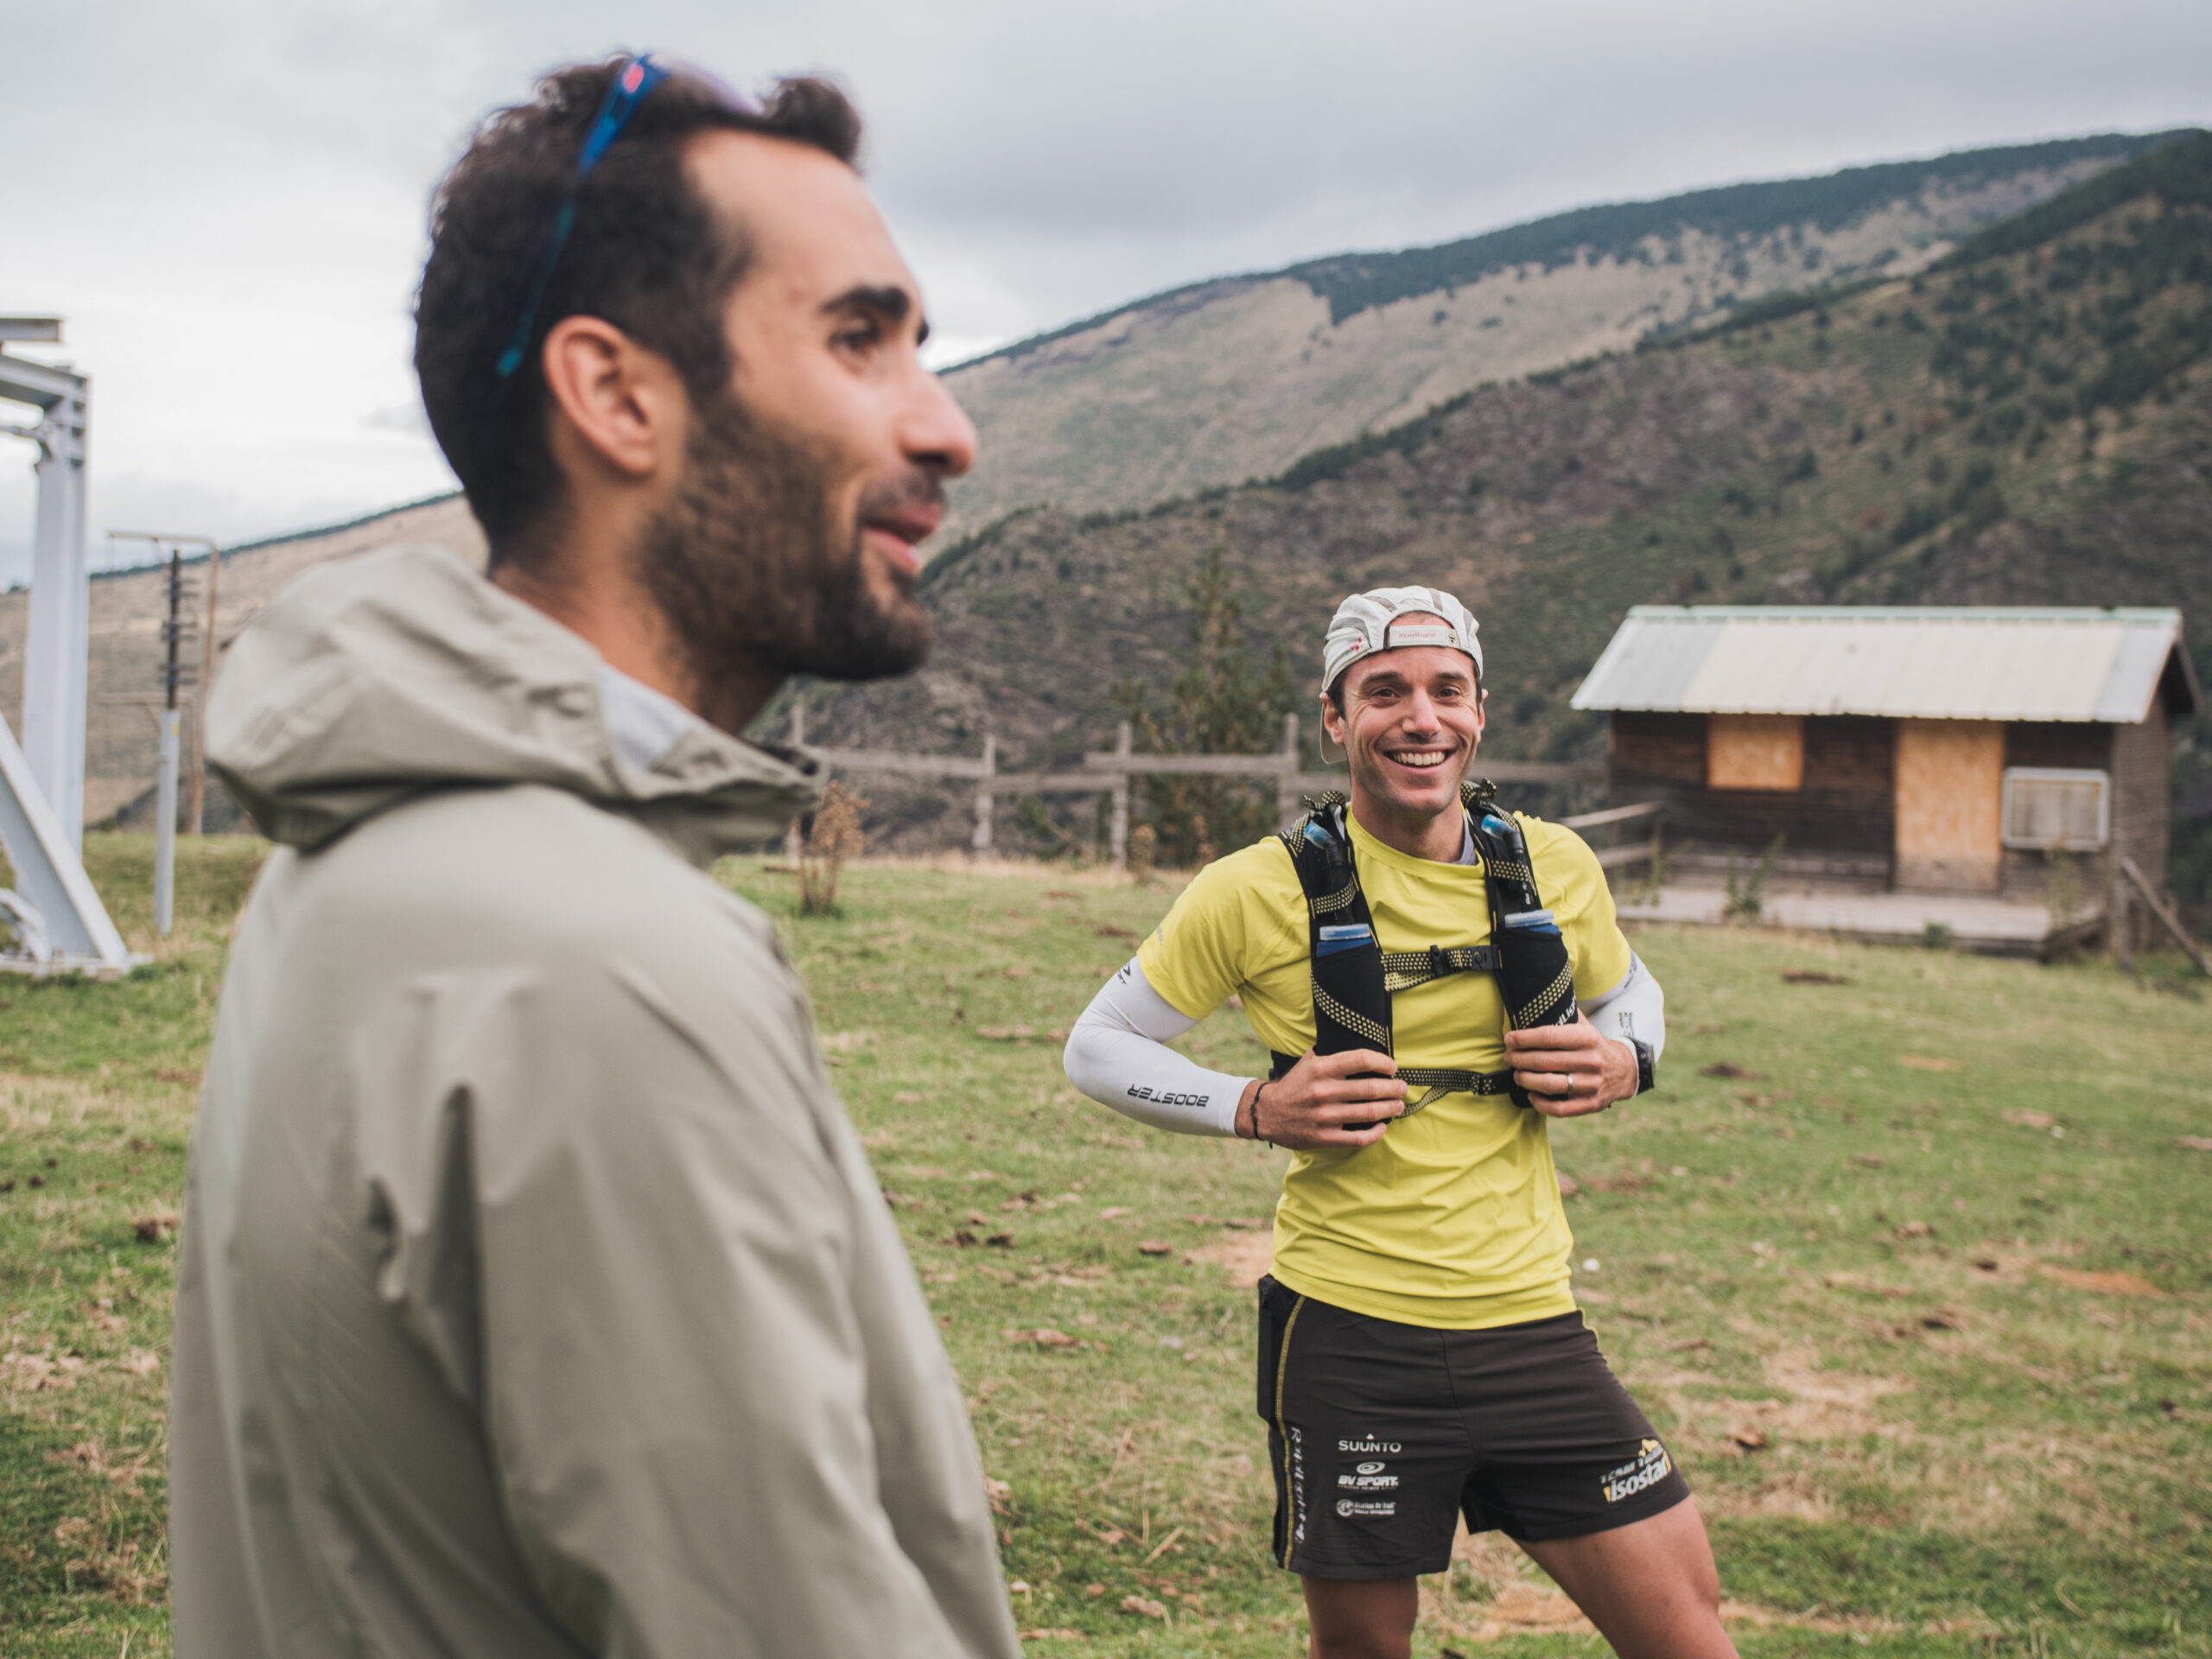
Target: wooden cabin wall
<point>1664,748</point>
<point>2142,793</point>
<point>1848,805</point>
<point>2080,745</point>
<point>1844,807</point>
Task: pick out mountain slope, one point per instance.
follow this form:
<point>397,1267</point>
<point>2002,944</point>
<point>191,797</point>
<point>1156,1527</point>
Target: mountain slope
<point>1232,379</point>
<point>2030,421</point>
<point>1672,473</point>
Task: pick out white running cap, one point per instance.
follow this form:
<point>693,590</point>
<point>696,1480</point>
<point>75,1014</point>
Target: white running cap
<point>1371,622</point>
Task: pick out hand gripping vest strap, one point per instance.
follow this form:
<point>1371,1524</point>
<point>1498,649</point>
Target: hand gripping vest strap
<point>1535,976</point>
<point>1353,976</point>
<point>1435,1081</point>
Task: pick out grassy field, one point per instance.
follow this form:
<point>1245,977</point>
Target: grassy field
<point>1906,1259</point>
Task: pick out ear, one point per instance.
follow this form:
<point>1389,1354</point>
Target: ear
<point>624,405</point>
<point>1332,723</point>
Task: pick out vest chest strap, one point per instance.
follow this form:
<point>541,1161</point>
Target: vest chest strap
<point>1403,970</point>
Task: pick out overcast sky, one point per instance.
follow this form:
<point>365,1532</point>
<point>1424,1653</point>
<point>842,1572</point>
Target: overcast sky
<point>226,198</point>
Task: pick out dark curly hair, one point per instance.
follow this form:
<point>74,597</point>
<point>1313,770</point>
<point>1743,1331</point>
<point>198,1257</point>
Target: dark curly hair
<point>647,254</point>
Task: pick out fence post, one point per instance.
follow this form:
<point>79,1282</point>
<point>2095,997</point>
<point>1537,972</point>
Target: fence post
<point>1286,802</point>
<point>1117,830</point>
<point>792,846</point>
<point>2120,928</point>
<point>982,841</point>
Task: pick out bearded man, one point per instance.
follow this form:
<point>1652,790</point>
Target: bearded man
<point>536,1297</point>
<point>1413,958</point>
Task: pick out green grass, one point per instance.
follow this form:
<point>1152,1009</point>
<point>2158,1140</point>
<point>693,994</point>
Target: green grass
<point>1958,1458</point>
<point>97,1085</point>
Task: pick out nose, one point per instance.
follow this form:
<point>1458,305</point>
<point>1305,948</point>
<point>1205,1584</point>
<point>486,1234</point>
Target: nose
<point>935,432</point>
<point>1421,712</point>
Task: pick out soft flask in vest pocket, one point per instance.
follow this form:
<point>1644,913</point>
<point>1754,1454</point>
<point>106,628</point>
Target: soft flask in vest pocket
<point>1535,976</point>
<point>1351,1003</point>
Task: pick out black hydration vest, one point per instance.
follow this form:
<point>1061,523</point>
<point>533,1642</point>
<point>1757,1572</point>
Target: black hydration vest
<point>1354,976</point>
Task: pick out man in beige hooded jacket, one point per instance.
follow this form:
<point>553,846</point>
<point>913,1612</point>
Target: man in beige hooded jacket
<point>536,1298</point>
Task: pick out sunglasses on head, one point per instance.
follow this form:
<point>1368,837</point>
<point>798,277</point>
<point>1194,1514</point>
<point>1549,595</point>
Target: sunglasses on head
<point>633,83</point>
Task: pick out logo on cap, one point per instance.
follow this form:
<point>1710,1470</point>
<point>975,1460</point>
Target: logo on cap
<point>1402,634</point>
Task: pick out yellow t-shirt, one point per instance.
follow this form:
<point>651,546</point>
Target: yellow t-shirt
<point>1452,1219</point>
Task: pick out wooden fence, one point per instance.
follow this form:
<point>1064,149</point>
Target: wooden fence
<point>1108,771</point>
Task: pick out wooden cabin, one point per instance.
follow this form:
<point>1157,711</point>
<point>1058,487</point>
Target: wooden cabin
<point>1926,750</point>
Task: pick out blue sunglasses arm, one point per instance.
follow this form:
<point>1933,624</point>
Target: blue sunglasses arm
<point>615,111</point>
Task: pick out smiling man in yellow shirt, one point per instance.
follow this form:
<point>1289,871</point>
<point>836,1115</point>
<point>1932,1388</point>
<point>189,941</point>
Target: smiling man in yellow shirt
<point>1421,1354</point>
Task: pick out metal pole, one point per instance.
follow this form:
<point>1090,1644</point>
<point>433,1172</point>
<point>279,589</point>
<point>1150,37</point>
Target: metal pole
<point>1117,833</point>
<point>165,794</point>
<point>199,702</point>
<point>165,827</point>
<point>982,841</point>
<point>55,658</point>
<point>162,538</point>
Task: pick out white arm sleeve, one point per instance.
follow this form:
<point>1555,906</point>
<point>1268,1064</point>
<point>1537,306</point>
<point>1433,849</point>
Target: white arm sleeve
<point>1118,1055</point>
<point>1636,1009</point>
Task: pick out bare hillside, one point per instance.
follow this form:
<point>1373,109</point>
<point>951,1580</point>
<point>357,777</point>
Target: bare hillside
<point>1234,379</point>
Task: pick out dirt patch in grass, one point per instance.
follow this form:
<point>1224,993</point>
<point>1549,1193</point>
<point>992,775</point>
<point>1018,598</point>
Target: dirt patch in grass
<point>2103,1284</point>
<point>1248,1257</point>
<point>1824,1404</point>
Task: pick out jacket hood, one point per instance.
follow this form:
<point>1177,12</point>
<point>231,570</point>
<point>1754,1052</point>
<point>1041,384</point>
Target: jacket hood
<point>372,680</point>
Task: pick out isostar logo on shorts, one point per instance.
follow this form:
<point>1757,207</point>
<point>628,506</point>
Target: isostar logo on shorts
<point>1368,1445</point>
<point>1295,1455</point>
<point>1354,1510</point>
<point>1651,1466</point>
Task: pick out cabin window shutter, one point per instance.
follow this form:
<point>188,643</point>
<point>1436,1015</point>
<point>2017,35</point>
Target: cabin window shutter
<point>2050,808</point>
<point>1754,752</point>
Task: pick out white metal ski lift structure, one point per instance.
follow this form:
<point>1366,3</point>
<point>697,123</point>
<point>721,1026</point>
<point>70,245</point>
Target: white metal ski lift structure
<point>57,919</point>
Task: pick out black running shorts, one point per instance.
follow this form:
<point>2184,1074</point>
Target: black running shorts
<point>1382,1435</point>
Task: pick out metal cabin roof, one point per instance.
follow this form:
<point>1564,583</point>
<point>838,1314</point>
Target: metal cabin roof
<point>1928,663</point>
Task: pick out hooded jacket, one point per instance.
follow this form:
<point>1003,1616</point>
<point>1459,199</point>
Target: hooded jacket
<point>536,1296</point>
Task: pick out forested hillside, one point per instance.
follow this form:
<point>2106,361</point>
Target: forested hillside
<point>2030,421</point>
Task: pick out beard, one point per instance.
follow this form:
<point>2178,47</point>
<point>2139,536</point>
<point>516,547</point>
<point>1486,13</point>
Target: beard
<point>757,578</point>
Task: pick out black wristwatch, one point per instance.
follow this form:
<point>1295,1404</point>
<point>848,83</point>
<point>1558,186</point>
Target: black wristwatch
<point>1646,1076</point>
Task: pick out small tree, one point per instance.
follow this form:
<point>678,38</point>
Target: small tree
<point>836,838</point>
<point>1218,705</point>
<point>1144,845</point>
